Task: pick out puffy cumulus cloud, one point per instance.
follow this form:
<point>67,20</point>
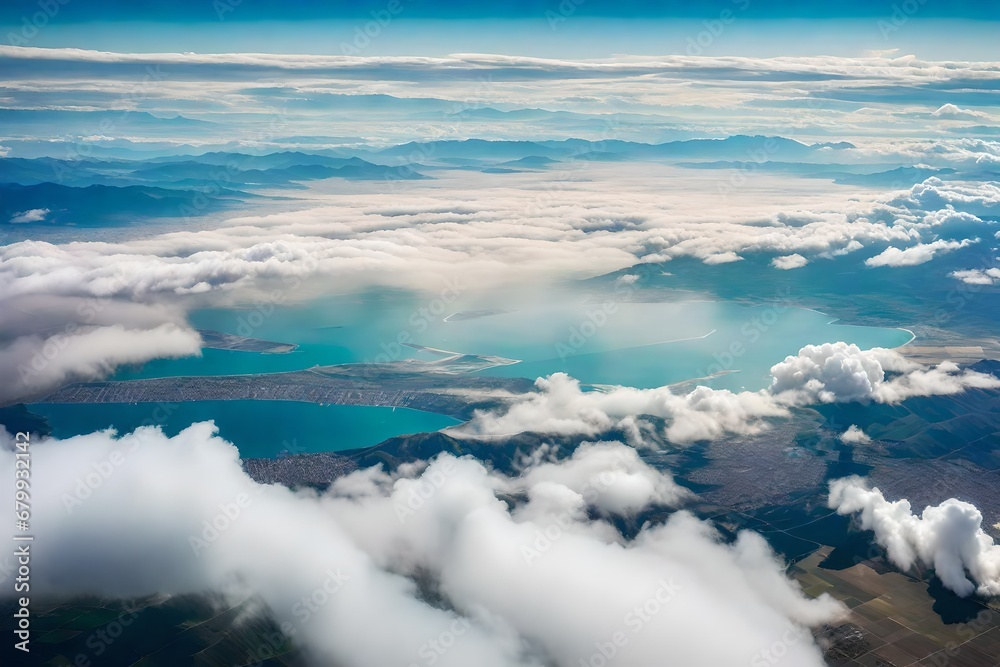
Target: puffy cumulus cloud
<point>33,365</point>
<point>941,380</point>
<point>855,436</point>
<point>831,372</point>
<point>828,373</point>
<point>838,372</point>
<point>514,579</point>
<point>627,279</point>
<point>106,505</point>
<point>988,276</point>
<point>948,537</point>
<point>949,216</point>
<point>979,198</point>
<point>918,254</point>
<point>959,153</point>
<point>786,262</point>
<point>32,215</point>
<point>619,482</point>
<point>561,406</point>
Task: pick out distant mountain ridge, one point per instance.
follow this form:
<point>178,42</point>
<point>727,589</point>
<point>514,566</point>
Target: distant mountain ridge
<point>734,147</point>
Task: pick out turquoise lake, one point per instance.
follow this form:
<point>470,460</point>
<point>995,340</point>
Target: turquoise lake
<point>261,429</point>
<point>634,344</point>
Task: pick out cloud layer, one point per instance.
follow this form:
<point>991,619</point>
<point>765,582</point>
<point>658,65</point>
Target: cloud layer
<point>528,580</point>
<point>873,97</point>
<point>487,232</point>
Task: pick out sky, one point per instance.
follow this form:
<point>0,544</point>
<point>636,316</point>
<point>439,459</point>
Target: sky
<point>862,141</point>
<point>184,11</point>
<point>571,28</point>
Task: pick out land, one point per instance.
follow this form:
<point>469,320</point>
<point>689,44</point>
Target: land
<point>428,386</point>
<point>925,449</point>
<point>474,314</point>
<point>224,341</point>
<point>933,345</point>
<point>316,470</point>
<point>218,340</point>
<point>897,619</point>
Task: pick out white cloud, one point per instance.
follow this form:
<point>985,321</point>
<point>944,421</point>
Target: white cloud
<point>944,379</point>
<point>953,111</point>
<point>518,582</point>
<point>855,436</point>
<point>33,365</point>
<point>33,215</point>
<point>522,229</point>
<point>832,372</point>
<point>528,229</point>
<point>838,372</point>
<point>627,279</point>
<point>610,477</point>
<point>722,258</point>
<point>948,537</point>
<point>561,406</point>
<point>650,96</point>
<point>978,276</point>
<point>979,198</point>
<point>918,254</point>
<point>786,262</point>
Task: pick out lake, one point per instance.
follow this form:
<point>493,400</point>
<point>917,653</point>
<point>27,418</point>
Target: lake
<point>634,344</point>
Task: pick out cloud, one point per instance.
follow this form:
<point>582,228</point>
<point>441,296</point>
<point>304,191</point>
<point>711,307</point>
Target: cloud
<point>33,215</point>
<point>648,96</point>
<point>948,537</point>
<point>33,365</point>
<point>627,279</point>
<point>978,276</point>
<point>935,195</point>
<point>918,254</point>
<point>722,258</point>
<point>612,478</point>
<point>513,579</point>
<point>833,372</point>
<point>828,373</point>
<point>838,372</point>
<point>571,222</point>
<point>561,406</point>
<point>855,436</point>
<point>524,229</point>
<point>952,111</point>
<point>786,262</point>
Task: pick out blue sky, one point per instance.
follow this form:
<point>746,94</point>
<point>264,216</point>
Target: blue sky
<point>546,28</point>
<point>578,36</point>
<point>205,10</point>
